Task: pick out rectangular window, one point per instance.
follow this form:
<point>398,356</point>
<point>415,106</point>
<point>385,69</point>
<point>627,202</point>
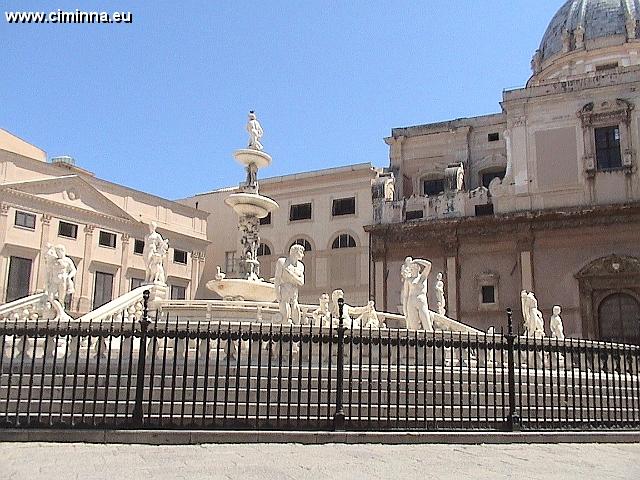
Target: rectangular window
<point>68,230</point>
<point>19,278</point>
<point>230,262</point>
<point>266,220</point>
<point>608,148</point>
<point>493,137</point>
<point>136,282</point>
<point>102,289</point>
<point>606,66</point>
<point>343,206</point>
<point>414,215</point>
<point>488,294</point>
<point>138,246</point>
<point>300,212</point>
<point>178,292</point>
<point>107,239</point>
<point>26,220</point>
<point>433,187</point>
<point>179,256</point>
<point>484,209</point>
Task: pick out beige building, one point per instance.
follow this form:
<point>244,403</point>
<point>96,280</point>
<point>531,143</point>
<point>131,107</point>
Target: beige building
<point>543,196</point>
<point>101,224</point>
<point>325,211</point>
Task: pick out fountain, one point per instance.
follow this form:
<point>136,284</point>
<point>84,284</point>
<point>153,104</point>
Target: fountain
<point>250,207</point>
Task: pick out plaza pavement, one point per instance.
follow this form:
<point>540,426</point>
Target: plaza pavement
<point>332,461</point>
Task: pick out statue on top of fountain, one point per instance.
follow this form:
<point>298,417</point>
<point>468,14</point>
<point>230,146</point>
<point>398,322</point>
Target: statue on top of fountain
<point>255,132</point>
<point>288,278</point>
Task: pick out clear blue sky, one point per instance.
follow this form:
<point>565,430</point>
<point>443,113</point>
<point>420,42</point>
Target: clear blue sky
<point>328,80</point>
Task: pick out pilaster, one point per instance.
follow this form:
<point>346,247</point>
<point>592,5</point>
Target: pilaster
<point>44,239</point>
<point>4,213</point>
<point>124,262</point>
<point>84,304</point>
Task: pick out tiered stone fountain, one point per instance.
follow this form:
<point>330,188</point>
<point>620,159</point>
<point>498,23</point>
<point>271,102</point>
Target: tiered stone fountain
<point>250,207</point>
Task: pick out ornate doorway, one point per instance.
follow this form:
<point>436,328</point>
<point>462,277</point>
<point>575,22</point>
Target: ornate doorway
<point>610,299</point>
<point>619,319</point>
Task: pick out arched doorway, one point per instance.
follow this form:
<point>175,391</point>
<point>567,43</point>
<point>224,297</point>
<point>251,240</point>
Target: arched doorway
<point>619,319</point>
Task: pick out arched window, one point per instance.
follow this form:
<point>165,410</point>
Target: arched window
<point>619,318</point>
<point>264,250</point>
<point>344,241</point>
<point>303,242</point>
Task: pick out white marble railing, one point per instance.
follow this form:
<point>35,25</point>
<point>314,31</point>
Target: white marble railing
<point>27,308</point>
<point>127,308</point>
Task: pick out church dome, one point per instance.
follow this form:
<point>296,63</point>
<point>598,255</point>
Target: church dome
<point>590,24</point>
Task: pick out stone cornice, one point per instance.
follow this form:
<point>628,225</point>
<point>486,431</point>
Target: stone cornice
<point>519,226</point>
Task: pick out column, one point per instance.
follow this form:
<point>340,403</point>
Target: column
<point>4,262</point>
<point>195,274</point>
<point>44,239</point>
<point>84,304</point>
<point>124,264</point>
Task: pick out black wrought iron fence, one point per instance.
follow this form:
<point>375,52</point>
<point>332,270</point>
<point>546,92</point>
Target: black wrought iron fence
<point>212,375</point>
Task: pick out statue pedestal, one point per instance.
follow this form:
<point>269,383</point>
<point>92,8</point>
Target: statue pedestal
<point>158,293</point>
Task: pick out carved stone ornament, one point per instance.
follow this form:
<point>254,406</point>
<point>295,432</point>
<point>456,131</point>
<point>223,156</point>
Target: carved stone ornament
<point>610,266</point>
<point>605,112</point>
<point>4,209</point>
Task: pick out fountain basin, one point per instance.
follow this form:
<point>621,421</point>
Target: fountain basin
<point>247,156</point>
<point>241,289</point>
<point>251,204</point>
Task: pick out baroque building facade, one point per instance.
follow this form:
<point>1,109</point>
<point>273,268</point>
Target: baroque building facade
<point>102,226</point>
<point>543,196</point>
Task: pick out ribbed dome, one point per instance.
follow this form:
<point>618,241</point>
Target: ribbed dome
<point>579,23</point>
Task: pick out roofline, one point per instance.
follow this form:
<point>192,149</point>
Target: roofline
<point>356,167</point>
<point>446,125</point>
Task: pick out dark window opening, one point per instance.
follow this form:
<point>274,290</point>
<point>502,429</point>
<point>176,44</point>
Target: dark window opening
<point>300,212</point>
<point>138,246</point>
<point>487,177</point>
<point>608,148</point>
<point>179,256</point>
<point>344,241</point>
<point>493,137</point>
<point>19,278</point>
<point>433,187</point>
<point>107,239</point>
<point>343,206</point>
<point>304,243</point>
<point>263,250</point>
<point>414,215</point>
<point>68,230</point>
<point>102,289</point>
<point>178,292</point>
<point>488,294</point>
<point>484,209</point>
<point>606,66</point>
<point>266,220</point>
<point>136,282</point>
<point>26,220</point>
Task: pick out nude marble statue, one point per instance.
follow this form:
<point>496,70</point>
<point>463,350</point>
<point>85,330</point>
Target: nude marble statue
<point>289,277</point>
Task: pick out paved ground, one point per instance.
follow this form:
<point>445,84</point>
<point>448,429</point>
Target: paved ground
<point>292,461</point>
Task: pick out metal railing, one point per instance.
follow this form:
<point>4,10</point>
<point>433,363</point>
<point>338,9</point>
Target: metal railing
<point>163,373</point>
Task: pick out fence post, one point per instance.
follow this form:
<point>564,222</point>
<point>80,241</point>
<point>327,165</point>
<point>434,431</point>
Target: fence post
<point>338,418</point>
<point>142,353</point>
<point>513,420</point>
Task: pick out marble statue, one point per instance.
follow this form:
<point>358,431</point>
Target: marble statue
<point>155,249</point>
<point>368,318</point>
<point>322,315</point>
<point>60,272</point>
<point>418,315</point>
<point>408,272</point>
<point>532,316</point>
<point>557,329</point>
<point>255,132</point>
<point>289,278</point>
<point>442,304</point>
